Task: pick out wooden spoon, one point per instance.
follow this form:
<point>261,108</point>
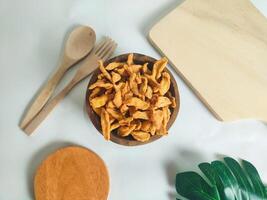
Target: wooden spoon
<point>102,51</point>
<point>72,173</point>
<point>80,42</point>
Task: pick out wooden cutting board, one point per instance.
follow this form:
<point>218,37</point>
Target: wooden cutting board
<point>219,47</point>
<point>72,173</point>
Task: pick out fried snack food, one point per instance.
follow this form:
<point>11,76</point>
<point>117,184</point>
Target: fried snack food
<point>133,99</point>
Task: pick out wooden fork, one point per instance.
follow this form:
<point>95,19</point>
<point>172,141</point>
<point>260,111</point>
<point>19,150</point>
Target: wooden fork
<point>101,52</point>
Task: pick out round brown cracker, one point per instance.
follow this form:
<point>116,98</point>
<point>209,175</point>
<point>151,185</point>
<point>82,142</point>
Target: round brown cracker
<point>72,173</point>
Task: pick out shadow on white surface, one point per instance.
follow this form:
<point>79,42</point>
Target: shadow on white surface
<point>184,161</point>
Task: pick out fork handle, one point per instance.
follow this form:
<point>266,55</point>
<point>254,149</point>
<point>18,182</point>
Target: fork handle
<point>85,70</point>
<point>88,66</point>
<point>45,93</point>
<point>36,121</point>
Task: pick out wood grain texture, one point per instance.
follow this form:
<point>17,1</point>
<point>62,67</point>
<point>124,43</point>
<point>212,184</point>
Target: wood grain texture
<point>219,47</point>
<point>102,51</point>
<point>72,173</point>
<point>129,141</point>
<point>80,42</point>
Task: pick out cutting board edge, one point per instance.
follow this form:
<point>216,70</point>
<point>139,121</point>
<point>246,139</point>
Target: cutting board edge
<point>219,117</point>
<point>202,99</point>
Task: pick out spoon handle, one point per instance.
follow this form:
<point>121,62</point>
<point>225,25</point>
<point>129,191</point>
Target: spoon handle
<point>36,121</point>
<point>45,93</point>
<point>89,65</point>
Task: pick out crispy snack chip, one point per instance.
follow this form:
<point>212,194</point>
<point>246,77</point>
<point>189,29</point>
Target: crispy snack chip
<point>144,85</point>
<point>128,69</point>
<point>110,104</point>
<point>97,110</point>
<point>101,84</point>
<point>115,114</point>
<point>117,99</point>
<point>113,65</point>
<point>159,67</point>
<point>172,99</point>
<point>125,89</point>
<point>126,130</point>
<point>144,68</point>
<point>145,126</point>
<point>128,95</point>
<point>152,81</point>
<point>137,103</point>
<point>152,129</point>
<point>162,102</point>
<point>132,99</point>
<point>94,93</point>
<point>115,77</point>
<point>157,118</point>
<point>103,70</point>
<point>136,68</point>
<point>165,83</point>
<point>100,101</point>
<point>141,136</point>
<point>149,92</point>
<point>130,59</point>
<point>133,84</point>
<point>100,76</point>
<point>141,115</point>
<point>124,108</point>
<point>138,125</point>
<point>121,71</point>
<point>114,126</point>
<point>132,110</point>
<point>105,124</point>
<point>126,121</point>
<point>166,117</point>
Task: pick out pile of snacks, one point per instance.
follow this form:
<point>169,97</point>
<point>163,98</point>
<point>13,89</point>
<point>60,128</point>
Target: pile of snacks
<point>132,99</point>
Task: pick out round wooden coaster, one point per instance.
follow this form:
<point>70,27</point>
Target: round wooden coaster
<point>72,173</point>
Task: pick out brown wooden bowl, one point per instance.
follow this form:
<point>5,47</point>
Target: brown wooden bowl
<point>130,141</point>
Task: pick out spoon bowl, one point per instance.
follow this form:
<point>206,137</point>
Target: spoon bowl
<point>80,42</point>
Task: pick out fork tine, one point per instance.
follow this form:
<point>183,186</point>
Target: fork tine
<point>100,44</point>
<point>109,52</point>
<point>104,44</point>
<point>104,47</point>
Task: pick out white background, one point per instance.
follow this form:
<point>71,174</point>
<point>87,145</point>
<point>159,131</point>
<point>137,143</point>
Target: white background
<point>31,39</point>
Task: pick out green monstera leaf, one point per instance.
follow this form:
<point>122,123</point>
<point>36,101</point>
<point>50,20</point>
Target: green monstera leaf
<point>226,180</point>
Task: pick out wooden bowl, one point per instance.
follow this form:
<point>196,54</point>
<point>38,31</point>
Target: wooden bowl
<point>130,141</point>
